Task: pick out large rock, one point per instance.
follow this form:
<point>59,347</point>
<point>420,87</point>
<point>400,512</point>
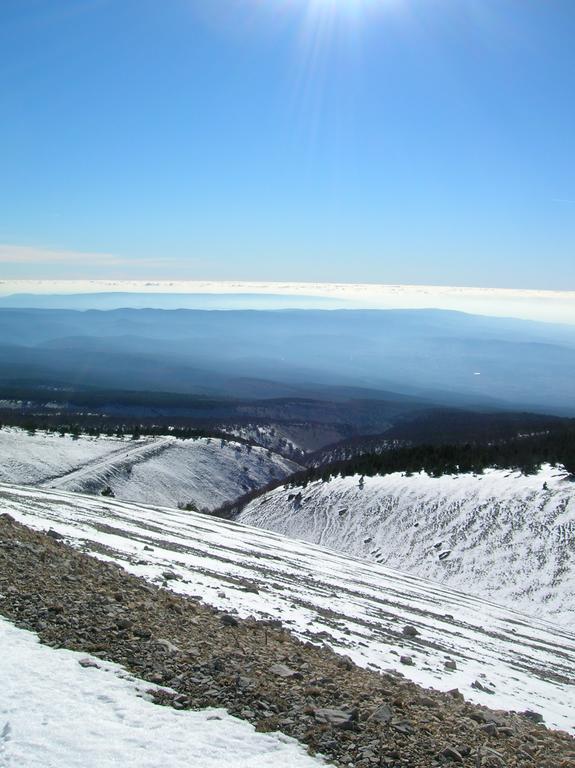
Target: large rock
<point>281,670</point>
<point>340,718</point>
<point>382,714</point>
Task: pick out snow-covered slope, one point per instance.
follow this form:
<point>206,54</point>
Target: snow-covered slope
<point>55,711</point>
<point>26,458</point>
<point>502,535</point>
<point>359,609</point>
<point>160,470</point>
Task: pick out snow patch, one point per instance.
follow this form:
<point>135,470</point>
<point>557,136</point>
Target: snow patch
<point>56,713</point>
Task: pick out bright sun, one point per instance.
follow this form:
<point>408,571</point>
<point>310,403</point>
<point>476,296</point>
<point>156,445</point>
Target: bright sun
<point>346,7</point>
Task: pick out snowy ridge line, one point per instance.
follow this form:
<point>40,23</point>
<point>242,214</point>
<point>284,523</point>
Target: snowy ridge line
<point>356,608</point>
<point>168,471</point>
<point>503,535</point>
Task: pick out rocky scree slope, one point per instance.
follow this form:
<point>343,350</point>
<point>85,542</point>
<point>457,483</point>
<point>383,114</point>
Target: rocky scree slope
<point>495,656</point>
<point>255,669</point>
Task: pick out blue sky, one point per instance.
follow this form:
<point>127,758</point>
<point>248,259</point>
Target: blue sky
<point>395,141</point>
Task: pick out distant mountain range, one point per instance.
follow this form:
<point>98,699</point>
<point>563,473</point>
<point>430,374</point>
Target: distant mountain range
<point>435,356</point>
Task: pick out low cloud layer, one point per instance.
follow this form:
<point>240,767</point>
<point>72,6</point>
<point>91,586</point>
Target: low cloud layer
<point>550,306</point>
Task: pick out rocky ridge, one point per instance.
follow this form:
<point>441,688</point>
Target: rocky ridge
<point>195,656</point>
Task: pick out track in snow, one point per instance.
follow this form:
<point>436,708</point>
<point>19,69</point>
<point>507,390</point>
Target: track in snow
<point>96,470</point>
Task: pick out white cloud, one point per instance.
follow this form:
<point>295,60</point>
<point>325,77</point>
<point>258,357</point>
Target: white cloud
<point>26,254</point>
<point>85,261</point>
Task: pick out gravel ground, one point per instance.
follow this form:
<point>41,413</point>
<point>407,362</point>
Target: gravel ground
<point>255,669</point>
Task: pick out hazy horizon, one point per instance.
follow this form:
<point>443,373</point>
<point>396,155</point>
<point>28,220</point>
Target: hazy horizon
<point>542,306</point>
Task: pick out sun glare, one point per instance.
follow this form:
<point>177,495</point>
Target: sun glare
<point>344,14</point>
<point>348,6</point>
